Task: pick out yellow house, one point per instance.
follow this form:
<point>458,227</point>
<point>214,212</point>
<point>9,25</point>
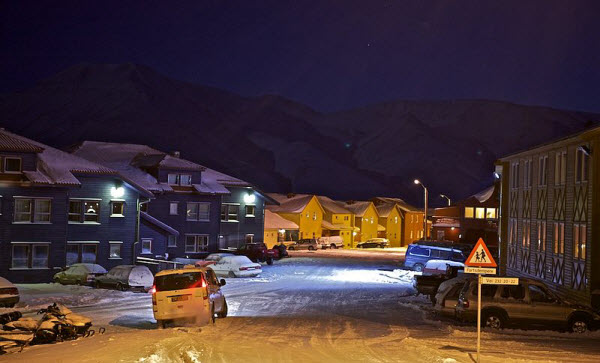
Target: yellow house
<point>278,229</point>
<point>411,220</point>
<point>391,217</point>
<point>302,209</point>
<point>365,218</point>
<point>337,221</point>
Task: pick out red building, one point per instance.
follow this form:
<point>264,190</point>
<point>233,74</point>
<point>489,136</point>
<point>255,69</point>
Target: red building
<point>470,219</point>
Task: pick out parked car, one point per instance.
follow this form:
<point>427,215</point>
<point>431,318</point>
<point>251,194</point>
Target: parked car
<point>80,274</point>
<point>434,274</point>
<point>190,293</point>
<point>9,294</point>
<point>280,251</point>
<point>530,303</point>
<point>230,265</point>
<point>440,267</point>
<point>332,242</point>
<point>417,255</point>
<point>305,244</point>
<point>257,252</point>
<point>374,243</point>
<point>446,297</point>
<point>125,277</point>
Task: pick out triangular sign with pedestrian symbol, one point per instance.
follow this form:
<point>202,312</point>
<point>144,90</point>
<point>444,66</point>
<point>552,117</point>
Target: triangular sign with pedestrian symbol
<point>480,256</point>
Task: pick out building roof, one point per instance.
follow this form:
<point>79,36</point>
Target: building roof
<point>147,217</point>
<point>337,226</point>
<point>130,160</point>
<point>400,202</point>
<point>357,208</point>
<point>332,206</point>
<point>275,221</point>
<point>385,209</point>
<point>291,203</point>
<point>54,167</point>
<point>484,195</point>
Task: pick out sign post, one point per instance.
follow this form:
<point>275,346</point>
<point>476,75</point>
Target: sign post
<point>480,262</point>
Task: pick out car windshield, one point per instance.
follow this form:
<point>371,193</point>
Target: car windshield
<point>187,280</point>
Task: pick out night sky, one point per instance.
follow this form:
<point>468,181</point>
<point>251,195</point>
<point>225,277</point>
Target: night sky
<point>330,55</point>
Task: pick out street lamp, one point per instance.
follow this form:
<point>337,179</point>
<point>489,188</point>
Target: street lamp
<point>425,216</point>
<point>445,196</point>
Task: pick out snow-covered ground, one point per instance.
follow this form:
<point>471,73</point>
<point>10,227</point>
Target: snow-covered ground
<point>301,309</point>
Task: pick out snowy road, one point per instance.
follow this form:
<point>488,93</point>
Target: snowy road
<point>302,309</point>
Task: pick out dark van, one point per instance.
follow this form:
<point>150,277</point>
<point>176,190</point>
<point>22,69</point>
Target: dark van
<point>417,255</point>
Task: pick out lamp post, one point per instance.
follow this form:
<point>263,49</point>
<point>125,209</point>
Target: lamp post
<point>425,216</point>
<point>445,196</point>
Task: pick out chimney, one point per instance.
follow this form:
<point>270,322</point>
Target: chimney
<point>175,154</point>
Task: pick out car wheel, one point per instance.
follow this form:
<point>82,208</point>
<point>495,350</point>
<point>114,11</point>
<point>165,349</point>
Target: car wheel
<point>333,247</point>
<point>231,274</point>
<point>98,285</point>
<point>381,246</point>
<point>493,320</point>
<point>120,286</point>
<point>418,267</point>
<point>161,324</point>
<point>311,248</point>
<point>56,280</point>
<point>579,325</point>
<point>223,312</point>
<point>269,261</point>
<point>212,313</point>
<point>291,248</point>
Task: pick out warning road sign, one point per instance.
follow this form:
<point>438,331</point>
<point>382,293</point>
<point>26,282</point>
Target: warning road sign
<point>480,256</point>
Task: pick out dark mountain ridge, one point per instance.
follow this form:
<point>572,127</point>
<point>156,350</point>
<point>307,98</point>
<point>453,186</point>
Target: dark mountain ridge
<point>282,145</point>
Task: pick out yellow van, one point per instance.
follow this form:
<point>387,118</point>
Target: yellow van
<point>191,293</point>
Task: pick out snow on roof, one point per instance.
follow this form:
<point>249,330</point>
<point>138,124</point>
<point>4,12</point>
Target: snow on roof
<point>275,221</point>
<point>224,179</point>
<point>401,203</point>
<point>336,226</point>
<point>357,208</point>
<point>484,195</point>
<point>291,203</point>
<point>331,206</point>
<point>130,159</point>
<point>10,142</point>
<point>55,166</point>
<point>384,210</point>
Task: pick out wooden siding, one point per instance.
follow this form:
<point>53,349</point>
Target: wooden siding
<point>234,233</point>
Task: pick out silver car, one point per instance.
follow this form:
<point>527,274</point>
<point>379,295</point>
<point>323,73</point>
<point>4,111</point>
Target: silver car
<point>528,304</point>
<point>446,298</point>
<point>125,277</point>
<point>80,274</point>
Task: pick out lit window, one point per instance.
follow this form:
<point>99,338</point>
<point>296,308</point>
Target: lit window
<point>185,179</point>
<point>249,238</point>
<point>469,212</point>
<point>173,206</point>
<point>173,179</point>
<point>480,213</point>
<point>314,216</point>
<point>250,210</point>
<point>579,241</point>
<point>559,238</point>
<point>541,233</point>
<point>12,165</point>
<point>91,211</point>
<point>396,219</point>
<point>490,213</point>
<point>179,179</point>
<point>229,212</point>
<point>198,211</point>
<point>115,250</point>
<point>23,209</point>
<point>146,245</point>
<point>196,243</point>
<point>32,210</point>
<point>526,234</point>
<point>117,208</point>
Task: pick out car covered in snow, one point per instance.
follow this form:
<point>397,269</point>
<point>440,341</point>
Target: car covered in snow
<point>333,242</point>
<point>125,277</point>
<point>374,243</point>
<point>80,274</point>
<point>229,265</point>
<point>417,255</point>
<point>446,297</point>
<point>9,294</point>
<point>304,244</point>
<point>440,267</point>
<point>190,293</point>
<point>530,303</point>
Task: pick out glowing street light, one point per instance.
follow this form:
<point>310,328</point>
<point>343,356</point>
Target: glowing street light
<point>425,216</point>
<point>444,196</point>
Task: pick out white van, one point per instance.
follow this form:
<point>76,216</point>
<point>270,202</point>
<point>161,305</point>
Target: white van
<point>190,293</point>
<point>330,242</point>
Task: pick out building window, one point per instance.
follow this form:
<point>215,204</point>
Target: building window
<point>346,218</point>
<point>84,211</point>
<point>579,241</point>
<point>581,165</point>
<point>515,175</point>
<point>179,179</point>
<point>12,165</point>
<point>78,252</point>
<point>480,213</point>
<point>512,231</point>
<point>36,210</point>
<point>115,250</point>
<point>196,243</point>
<point>117,208</point>
<point>249,238</point>
<point>560,168</point>
<point>559,238</point>
<point>490,213</point>
<point>250,210</point>
<point>527,174</point>
<point>543,171</point>
<point>146,245</point>
<point>30,255</point>
<point>172,241</point>
<point>469,212</point>
<point>396,220</point>
<point>198,211</point>
<point>229,212</point>
<point>541,234</point>
<point>173,206</point>
<point>526,234</point>
<point>314,216</point>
